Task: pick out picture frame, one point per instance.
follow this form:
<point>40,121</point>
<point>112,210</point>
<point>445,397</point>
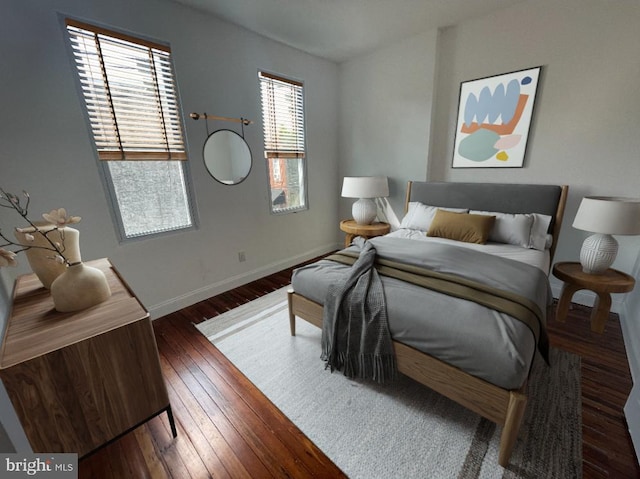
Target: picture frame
<point>494,119</point>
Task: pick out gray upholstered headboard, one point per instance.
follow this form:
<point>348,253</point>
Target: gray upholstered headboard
<point>501,197</point>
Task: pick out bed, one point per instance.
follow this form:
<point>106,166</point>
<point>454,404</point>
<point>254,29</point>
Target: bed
<point>490,381</point>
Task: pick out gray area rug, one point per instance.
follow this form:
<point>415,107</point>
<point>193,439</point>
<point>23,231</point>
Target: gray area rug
<point>402,429</point>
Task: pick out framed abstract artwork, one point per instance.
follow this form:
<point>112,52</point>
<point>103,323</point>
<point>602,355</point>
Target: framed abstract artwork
<point>494,117</point>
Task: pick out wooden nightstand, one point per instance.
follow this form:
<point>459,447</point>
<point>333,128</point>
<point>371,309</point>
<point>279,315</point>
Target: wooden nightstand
<point>353,229</point>
<point>79,380</point>
<point>611,281</point>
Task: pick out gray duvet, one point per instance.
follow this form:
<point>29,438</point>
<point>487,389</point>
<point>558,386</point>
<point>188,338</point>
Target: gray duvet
<point>481,341</point>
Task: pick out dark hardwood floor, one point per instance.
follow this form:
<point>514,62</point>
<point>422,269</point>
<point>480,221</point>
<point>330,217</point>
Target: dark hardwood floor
<point>227,428</point>
<point>607,450</point>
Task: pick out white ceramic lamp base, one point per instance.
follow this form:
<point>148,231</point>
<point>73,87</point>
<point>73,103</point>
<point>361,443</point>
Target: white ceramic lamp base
<point>364,211</point>
<point>598,253</point>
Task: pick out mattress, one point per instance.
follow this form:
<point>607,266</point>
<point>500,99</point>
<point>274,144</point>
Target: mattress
<point>483,342</point>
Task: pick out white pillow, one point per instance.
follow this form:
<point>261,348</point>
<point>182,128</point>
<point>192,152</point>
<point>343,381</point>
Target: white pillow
<point>540,239</point>
<point>510,228</point>
<point>419,216</point>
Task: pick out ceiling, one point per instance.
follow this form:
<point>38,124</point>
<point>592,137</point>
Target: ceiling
<point>342,29</point>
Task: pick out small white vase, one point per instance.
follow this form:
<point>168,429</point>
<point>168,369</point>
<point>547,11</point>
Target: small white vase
<point>79,287</point>
<point>42,261</point>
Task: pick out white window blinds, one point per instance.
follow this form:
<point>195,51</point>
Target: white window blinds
<point>130,94</point>
<point>282,117</point>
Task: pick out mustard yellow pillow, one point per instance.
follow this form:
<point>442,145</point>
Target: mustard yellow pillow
<point>465,227</point>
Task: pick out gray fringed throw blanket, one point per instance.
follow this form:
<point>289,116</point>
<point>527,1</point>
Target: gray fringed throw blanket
<point>355,332</point>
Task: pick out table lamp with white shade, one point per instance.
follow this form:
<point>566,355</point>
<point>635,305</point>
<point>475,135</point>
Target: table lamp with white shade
<point>365,188</point>
<point>605,216</point>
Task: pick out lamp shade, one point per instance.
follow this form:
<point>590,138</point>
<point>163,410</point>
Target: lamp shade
<point>365,187</point>
<point>609,215</point>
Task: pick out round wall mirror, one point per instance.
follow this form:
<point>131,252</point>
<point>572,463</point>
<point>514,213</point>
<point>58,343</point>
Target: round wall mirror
<point>227,157</point>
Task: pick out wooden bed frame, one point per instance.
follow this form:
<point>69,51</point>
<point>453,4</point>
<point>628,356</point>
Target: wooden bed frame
<point>502,406</point>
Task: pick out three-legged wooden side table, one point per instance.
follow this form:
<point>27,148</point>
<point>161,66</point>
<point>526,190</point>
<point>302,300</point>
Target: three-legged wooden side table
<point>611,281</point>
<point>354,229</point>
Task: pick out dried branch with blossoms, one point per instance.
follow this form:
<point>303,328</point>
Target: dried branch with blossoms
<point>57,218</point>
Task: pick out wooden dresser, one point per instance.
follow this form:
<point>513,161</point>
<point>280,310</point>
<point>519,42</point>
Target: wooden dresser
<point>79,380</point>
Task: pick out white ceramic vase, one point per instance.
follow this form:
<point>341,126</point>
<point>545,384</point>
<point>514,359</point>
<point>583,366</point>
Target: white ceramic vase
<point>42,261</point>
<point>79,287</point>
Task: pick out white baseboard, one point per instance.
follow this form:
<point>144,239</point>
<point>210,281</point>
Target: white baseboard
<point>174,304</point>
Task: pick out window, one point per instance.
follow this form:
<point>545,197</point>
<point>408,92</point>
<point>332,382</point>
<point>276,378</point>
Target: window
<point>284,141</point>
<point>132,104</point>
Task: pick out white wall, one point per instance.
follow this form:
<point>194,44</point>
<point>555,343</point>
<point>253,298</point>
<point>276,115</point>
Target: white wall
<point>46,147</point>
<point>385,115</point>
